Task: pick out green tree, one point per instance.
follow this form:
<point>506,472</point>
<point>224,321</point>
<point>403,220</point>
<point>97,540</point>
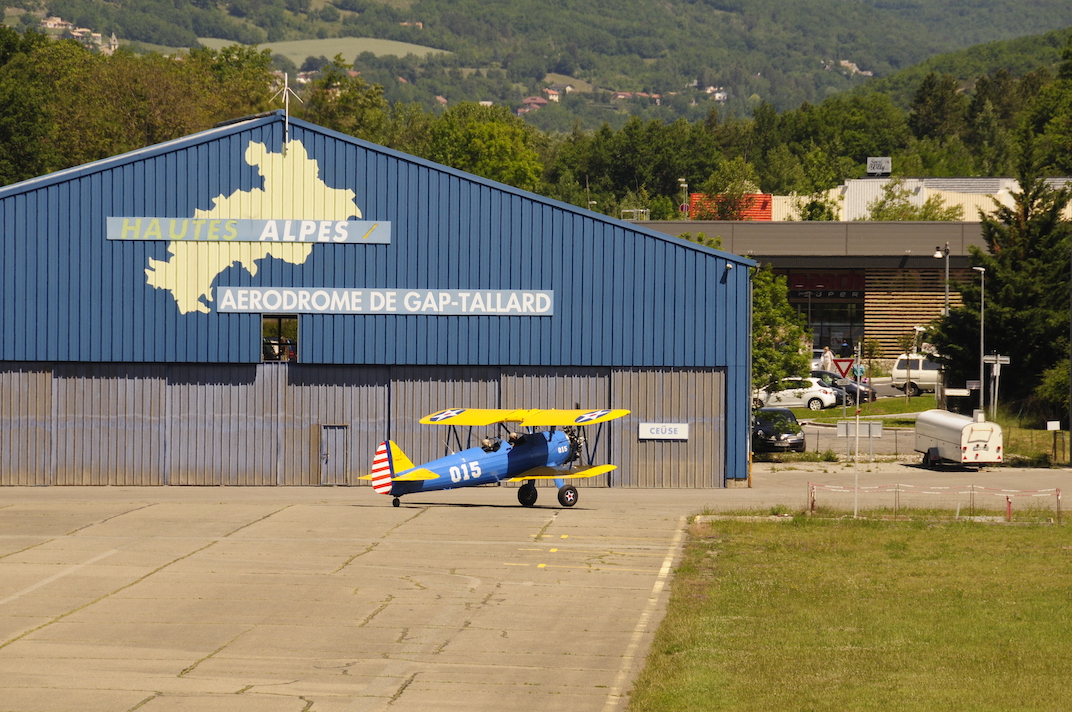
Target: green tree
<point>1026,283</point>
<point>726,191</point>
<point>938,108</point>
<point>895,203</point>
<point>778,336</point>
<point>341,100</point>
<point>488,141</point>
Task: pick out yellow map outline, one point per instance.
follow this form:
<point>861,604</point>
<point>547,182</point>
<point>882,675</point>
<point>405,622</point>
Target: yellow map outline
<point>292,190</point>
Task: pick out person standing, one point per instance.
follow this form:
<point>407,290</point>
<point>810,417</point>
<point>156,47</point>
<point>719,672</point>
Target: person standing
<point>826,361</point>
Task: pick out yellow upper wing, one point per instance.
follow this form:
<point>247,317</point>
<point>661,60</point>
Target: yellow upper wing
<point>524,417</point>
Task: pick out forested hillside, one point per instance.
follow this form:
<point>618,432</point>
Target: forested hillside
<point>783,53</point>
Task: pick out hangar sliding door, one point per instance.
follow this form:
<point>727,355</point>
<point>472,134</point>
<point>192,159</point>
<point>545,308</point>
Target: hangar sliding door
<point>419,391</point>
<point>110,424</point>
<point>318,398</point>
<point>696,397</point>
<point>563,388</point>
<point>26,424</point>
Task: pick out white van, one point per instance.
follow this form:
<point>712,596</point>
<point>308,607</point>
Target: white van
<point>915,373</point>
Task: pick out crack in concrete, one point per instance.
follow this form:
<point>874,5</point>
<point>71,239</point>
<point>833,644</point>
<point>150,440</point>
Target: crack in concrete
<point>146,701</point>
<point>213,653</point>
<point>407,683</point>
<point>108,519</point>
<point>376,612</point>
<point>547,526</point>
<point>387,533</point>
<point>346,563</point>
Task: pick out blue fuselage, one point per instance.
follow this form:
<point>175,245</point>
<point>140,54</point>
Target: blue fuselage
<point>476,466</point>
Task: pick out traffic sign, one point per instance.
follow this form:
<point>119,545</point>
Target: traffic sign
<point>996,358</point>
<point>684,207</point>
<point>844,365</point>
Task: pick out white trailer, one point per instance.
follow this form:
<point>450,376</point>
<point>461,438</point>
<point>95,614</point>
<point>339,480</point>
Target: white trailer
<point>948,437</point>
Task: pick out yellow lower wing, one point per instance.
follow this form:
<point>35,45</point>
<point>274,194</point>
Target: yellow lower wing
<point>553,473</point>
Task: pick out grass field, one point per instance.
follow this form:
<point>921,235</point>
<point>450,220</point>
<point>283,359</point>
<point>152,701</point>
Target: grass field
<point>831,613</point>
<point>349,47</point>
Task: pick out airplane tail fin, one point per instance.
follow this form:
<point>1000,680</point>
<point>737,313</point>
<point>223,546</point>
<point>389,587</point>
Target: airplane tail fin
<point>388,461</point>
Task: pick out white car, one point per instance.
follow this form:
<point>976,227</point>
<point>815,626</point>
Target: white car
<point>915,373</point>
<point>808,393</point>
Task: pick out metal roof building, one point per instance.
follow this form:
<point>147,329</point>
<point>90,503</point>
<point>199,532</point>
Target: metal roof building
<point>138,298</point>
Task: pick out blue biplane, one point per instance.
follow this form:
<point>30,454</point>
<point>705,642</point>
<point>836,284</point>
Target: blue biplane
<point>553,454</point>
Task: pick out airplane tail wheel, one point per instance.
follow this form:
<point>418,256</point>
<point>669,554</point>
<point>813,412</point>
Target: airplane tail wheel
<point>567,496</point>
<point>395,502</point>
<point>526,494</point>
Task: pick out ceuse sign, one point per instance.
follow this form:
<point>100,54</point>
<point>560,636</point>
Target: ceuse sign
<point>664,431</point>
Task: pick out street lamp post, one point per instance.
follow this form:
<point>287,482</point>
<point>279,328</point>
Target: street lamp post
<point>684,195</point>
<point>982,312</point>
<point>939,253</point>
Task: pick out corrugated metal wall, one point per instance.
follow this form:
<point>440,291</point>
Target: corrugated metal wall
<point>26,423</point>
<point>154,424</point>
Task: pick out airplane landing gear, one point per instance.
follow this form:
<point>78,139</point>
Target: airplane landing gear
<point>395,502</point>
<point>526,494</point>
<point>567,496</point>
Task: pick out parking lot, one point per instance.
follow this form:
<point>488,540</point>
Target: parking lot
<point>329,599</point>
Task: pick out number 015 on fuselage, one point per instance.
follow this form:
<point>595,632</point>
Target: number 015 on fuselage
<point>555,453</point>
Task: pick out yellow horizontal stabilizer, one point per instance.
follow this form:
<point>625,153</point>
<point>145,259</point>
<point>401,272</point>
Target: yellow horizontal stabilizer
<point>419,474</point>
<point>553,473</point>
<point>531,417</point>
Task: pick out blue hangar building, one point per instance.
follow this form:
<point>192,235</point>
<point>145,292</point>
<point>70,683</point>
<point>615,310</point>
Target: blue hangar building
<point>264,302</point>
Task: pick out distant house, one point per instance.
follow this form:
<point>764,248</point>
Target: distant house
<point>619,95</point>
<point>485,102</point>
<point>562,89</point>
<point>534,102</point>
<point>56,23</point>
<point>442,100</point>
<point>552,94</point>
<point>718,94</point>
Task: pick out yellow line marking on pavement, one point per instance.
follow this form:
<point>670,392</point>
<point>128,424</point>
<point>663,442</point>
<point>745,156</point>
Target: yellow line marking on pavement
<point>553,550</point>
<point>614,697</point>
<point>541,566</point>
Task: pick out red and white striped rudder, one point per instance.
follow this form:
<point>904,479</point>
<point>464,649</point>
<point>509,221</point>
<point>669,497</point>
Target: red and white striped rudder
<point>381,470</point>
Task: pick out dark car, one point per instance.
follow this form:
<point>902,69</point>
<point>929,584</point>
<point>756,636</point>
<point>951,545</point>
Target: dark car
<point>776,430</point>
<point>852,392</point>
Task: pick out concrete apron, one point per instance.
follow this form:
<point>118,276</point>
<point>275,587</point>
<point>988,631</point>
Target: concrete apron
<point>330,599</point>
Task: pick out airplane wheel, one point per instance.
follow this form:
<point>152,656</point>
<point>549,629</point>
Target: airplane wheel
<point>567,496</point>
<point>395,502</point>
<point>526,494</point>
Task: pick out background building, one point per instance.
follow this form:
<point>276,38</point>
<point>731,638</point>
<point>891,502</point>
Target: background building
<point>264,302</point>
<point>853,280</point>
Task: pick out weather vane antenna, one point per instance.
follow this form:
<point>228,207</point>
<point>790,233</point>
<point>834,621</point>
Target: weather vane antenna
<point>287,92</point>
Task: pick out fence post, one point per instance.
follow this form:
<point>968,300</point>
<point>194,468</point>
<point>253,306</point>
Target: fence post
<point>1008,508</point>
<point>1058,506</point>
